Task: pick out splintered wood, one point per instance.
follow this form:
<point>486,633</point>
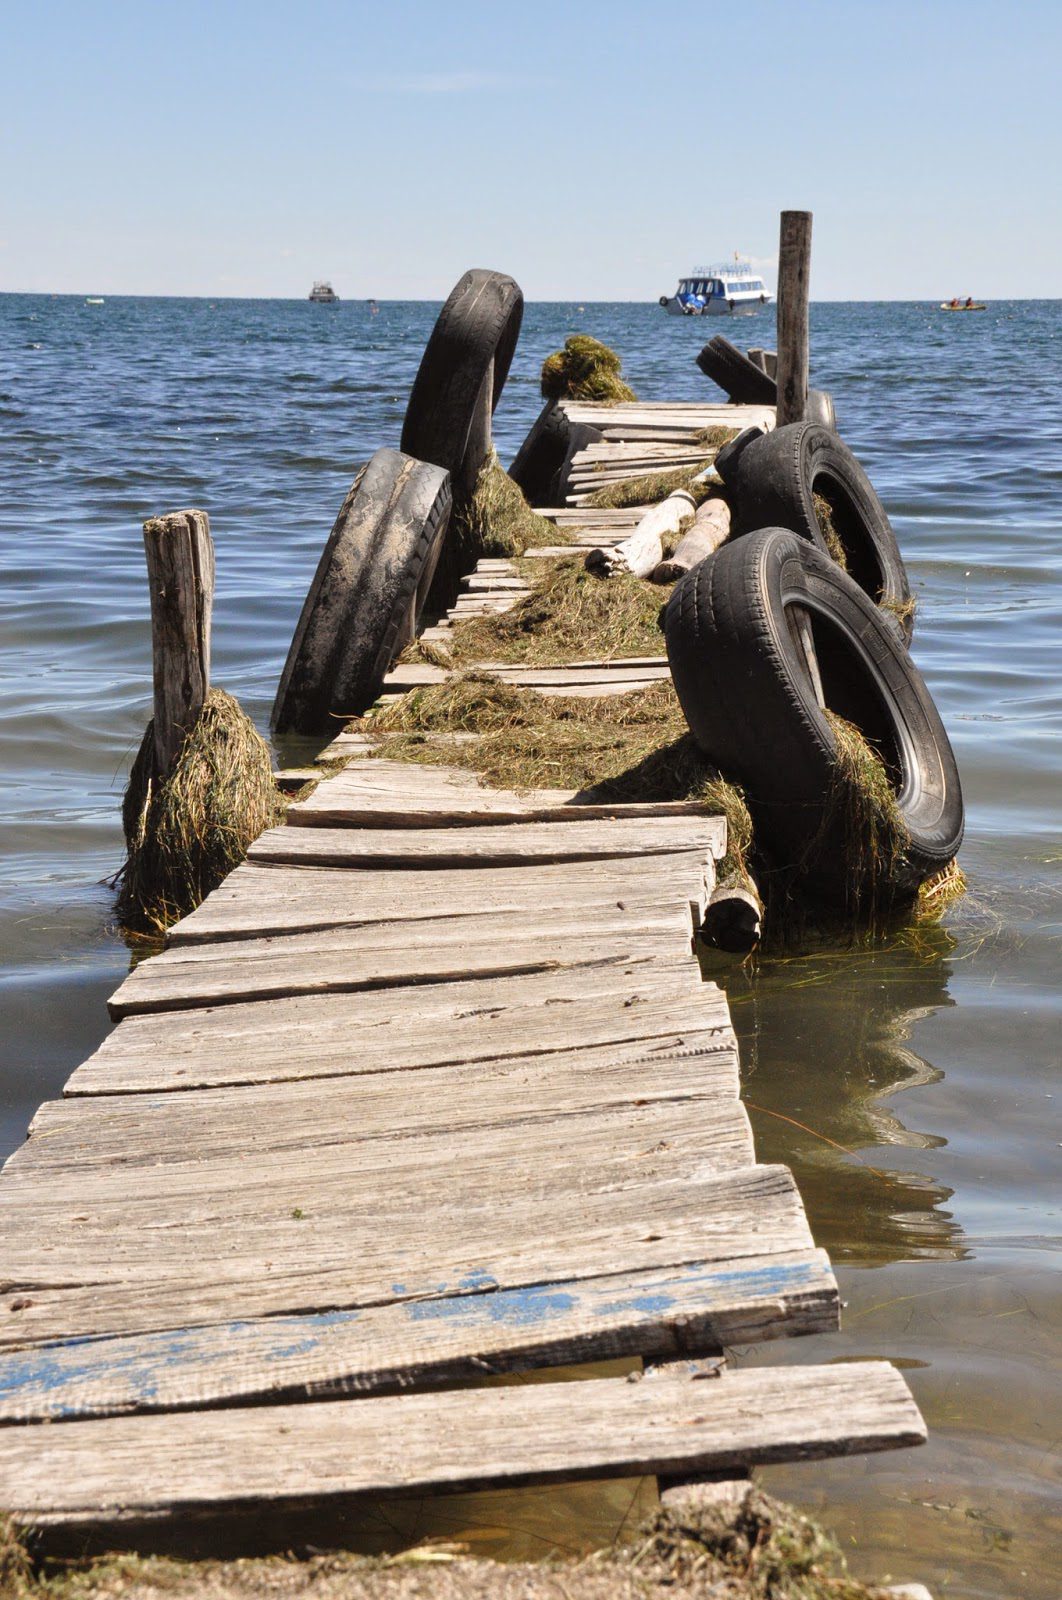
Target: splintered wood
<point>430,1088</point>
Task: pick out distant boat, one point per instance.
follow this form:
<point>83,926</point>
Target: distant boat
<point>323,294</point>
<point>730,288</point>
<point>94,300</point>
<point>962,305</point>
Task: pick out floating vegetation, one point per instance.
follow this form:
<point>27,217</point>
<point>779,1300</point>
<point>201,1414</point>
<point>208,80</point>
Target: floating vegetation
<point>185,832</point>
<point>584,370</point>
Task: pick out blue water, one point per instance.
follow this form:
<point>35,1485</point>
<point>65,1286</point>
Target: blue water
<point>943,1215</point>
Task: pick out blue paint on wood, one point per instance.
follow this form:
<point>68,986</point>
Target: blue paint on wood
<point>51,1379</point>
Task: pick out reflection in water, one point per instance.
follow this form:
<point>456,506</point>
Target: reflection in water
<point>823,1041</point>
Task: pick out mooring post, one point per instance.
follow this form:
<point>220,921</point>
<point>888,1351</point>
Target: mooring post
<point>180,562</point>
<point>794,277</point>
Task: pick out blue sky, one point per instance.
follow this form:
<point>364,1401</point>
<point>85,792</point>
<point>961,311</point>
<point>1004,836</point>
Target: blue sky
<point>593,150</point>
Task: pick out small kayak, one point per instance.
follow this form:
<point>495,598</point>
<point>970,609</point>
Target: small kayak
<point>944,306</point>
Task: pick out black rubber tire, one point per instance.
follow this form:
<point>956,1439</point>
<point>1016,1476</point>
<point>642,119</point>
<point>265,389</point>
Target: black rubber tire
<point>374,571</point>
<point>741,379</point>
<point>772,483</point>
<point>480,322</point>
<point>542,454</point>
<point>744,685</point>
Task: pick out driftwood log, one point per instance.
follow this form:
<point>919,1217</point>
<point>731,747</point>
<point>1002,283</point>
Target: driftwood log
<point>733,921</point>
<point>644,550</point>
<point>710,529</point>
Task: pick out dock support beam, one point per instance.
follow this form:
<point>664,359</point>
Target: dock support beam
<point>180,562</point>
<point>794,277</point>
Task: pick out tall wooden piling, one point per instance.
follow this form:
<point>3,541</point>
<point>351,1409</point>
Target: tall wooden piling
<point>794,277</point>
<point>180,561</point>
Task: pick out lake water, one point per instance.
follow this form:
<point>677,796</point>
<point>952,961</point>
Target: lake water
<point>912,1088</point>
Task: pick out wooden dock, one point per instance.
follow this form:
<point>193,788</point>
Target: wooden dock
<point>429,1090</point>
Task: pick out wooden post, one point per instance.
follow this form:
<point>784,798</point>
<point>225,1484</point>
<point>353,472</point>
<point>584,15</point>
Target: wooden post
<point>180,562</point>
<point>794,277</point>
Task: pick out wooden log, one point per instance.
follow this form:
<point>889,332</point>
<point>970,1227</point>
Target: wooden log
<point>734,919</point>
<point>794,276</point>
<point>643,551</point>
<point>180,562</point>
<point>711,528</point>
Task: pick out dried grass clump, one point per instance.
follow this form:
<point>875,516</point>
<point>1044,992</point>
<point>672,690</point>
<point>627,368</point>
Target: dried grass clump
<point>16,1568</point>
<point>828,529</point>
<point>496,521</point>
<point>649,487</point>
<point>758,1549</point>
<point>939,892</point>
<point>875,836</point>
<point>186,832</point>
<point>570,615</point>
<point>902,610</point>
<point>584,370</point>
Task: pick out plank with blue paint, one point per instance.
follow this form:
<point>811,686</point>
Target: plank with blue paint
<point>658,1312</point>
<point>127,1469</point>
<point>216,1242</point>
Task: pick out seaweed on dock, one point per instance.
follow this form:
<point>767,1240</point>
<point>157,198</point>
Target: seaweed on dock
<point>585,369</point>
<point>186,831</point>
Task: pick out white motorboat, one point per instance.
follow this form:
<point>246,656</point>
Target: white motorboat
<point>726,289</point>
<point>323,294</point>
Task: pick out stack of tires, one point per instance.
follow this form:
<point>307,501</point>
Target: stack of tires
<point>772,631</point>
<point>375,573</point>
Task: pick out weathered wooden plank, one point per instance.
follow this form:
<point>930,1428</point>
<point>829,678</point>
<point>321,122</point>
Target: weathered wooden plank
<point>404,794</point>
<point>659,1313</point>
<point>500,844</point>
<point>422,674</point>
<point>128,1468</point>
<point>429,951</point>
<point>332,1035</point>
<point>129,1130</point>
<point>641,1142</point>
<point>263,899</point>
<point>421,1223</point>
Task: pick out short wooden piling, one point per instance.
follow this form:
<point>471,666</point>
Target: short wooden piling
<point>794,277</point>
<point>180,561</point>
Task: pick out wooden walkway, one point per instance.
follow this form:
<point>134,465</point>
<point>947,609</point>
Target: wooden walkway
<point>430,1089</point>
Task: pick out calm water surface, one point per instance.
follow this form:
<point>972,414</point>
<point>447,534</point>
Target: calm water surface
<point>912,1088</point>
